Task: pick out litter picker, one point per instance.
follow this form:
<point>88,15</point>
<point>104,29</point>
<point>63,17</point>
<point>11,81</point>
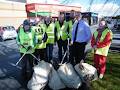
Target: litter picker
<point>25,54</point>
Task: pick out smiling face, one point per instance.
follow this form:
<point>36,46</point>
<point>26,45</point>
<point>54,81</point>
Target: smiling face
<point>102,24</point>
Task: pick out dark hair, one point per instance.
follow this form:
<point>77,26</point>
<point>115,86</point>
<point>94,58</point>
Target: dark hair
<point>103,19</point>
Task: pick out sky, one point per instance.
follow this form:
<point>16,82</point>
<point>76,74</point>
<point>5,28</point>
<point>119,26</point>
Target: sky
<point>102,7</point>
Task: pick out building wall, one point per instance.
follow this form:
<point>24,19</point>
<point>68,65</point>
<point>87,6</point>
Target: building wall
<point>12,13</point>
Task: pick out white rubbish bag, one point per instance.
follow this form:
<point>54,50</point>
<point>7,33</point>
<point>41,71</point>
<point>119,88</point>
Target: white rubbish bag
<point>86,70</point>
<point>55,82</point>
<point>69,76</point>
<point>40,76</point>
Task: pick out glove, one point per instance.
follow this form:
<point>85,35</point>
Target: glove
<point>29,48</point>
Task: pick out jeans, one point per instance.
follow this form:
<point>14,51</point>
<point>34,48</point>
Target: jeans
<point>49,52</point>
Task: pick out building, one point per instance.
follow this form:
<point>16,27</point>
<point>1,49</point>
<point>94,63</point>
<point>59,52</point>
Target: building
<point>38,9</point>
<point>12,12</point>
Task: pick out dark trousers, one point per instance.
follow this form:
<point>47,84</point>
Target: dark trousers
<point>40,54</point>
<point>49,52</point>
<point>62,45</point>
<point>77,52</point>
<point>27,67</point>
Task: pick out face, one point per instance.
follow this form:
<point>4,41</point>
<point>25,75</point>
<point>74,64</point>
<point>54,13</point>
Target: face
<point>61,17</point>
<point>26,27</point>
<point>102,24</point>
<point>78,16</point>
<point>48,19</point>
<point>72,14</point>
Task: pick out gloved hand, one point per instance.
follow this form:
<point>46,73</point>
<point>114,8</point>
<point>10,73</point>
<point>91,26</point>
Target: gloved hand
<point>29,48</point>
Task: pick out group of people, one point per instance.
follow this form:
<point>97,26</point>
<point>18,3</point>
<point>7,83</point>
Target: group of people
<point>71,36</point>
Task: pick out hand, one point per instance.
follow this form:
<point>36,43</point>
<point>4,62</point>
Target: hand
<point>94,47</point>
<point>80,65</point>
<point>71,43</point>
<point>29,48</point>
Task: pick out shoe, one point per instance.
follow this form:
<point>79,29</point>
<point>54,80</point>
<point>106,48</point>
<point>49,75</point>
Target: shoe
<point>101,76</point>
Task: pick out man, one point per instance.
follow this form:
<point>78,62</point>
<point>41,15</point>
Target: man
<point>41,38</point>
<point>100,42</point>
<point>26,42</point>
<point>71,22</point>
<point>61,31</point>
<point>81,35</point>
<point>51,36</point>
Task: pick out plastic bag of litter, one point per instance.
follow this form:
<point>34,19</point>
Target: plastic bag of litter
<point>40,76</point>
<point>55,82</point>
<point>69,76</point>
<point>87,70</point>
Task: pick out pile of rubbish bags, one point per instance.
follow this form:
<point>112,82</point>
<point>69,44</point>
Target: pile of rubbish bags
<point>66,76</point>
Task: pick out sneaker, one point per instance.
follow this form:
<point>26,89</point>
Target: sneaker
<point>101,76</point>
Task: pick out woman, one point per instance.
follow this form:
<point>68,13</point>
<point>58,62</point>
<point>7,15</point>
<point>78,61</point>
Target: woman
<point>101,41</point>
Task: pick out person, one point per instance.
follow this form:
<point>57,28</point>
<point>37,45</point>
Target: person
<point>100,42</point>
<point>81,35</point>
<point>51,36</point>
<point>71,22</point>
<point>61,35</point>
<point>41,39</point>
<point>26,42</point>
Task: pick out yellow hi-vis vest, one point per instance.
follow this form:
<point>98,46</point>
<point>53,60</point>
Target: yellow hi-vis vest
<point>62,31</point>
<point>70,28</point>
<point>39,32</point>
<point>102,51</point>
<point>50,33</point>
<point>26,39</point>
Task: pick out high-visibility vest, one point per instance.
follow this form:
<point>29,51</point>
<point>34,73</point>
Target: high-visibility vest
<point>62,31</point>
<point>102,51</point>
<point>70,28</point>
<point>50,33</point>
<point>26,39</point>
<point>39,32</point>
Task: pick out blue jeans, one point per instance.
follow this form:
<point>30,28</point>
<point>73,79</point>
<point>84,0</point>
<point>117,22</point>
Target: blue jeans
<point>49,52</point>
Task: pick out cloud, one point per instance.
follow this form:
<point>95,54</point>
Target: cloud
<point>83,9</point>
<point>107,10</point>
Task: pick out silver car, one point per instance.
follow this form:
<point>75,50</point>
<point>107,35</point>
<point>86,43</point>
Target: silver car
<point>7,32</point>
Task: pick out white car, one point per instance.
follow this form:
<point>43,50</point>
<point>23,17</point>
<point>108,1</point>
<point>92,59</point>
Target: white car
<point>7,32</point>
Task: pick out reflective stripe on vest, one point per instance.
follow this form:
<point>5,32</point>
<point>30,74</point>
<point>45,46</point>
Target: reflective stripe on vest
<point>39,34</point>
<point>102,51</point>
<point>62,32</point>
<point>50,33</point>
<point>26,39</point>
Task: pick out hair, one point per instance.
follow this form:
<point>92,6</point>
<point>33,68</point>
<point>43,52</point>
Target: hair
<point>102,19</point>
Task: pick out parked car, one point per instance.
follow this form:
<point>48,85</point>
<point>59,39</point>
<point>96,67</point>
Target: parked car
<point>7,32</point>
